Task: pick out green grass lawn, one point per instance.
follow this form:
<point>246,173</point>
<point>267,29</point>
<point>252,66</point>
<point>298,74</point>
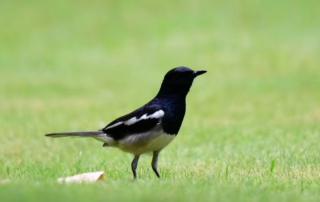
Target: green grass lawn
<point>252,128</point>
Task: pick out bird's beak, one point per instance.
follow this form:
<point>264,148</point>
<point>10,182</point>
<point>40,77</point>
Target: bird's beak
<point>198,73</point>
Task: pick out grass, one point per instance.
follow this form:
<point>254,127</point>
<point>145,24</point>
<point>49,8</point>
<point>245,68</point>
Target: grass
<point>251,131</point>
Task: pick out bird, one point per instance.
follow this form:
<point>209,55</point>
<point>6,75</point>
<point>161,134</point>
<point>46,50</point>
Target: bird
<point>150,128</point>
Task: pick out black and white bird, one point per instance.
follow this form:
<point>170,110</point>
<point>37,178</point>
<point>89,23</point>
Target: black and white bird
<point>151,127</point>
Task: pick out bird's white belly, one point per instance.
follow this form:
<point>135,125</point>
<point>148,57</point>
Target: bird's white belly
<point>145,142</point>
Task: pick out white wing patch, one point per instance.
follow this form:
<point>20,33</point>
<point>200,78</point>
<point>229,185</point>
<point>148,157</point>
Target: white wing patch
<point>115,125</point>
<point>155,115</point>
<point>133,120</point>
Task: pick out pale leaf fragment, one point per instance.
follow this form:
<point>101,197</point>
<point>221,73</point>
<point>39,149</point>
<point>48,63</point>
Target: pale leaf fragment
<point>4,181</point>
<point>83,178</point>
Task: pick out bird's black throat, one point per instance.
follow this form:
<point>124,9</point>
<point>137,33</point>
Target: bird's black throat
<point>174,108</point>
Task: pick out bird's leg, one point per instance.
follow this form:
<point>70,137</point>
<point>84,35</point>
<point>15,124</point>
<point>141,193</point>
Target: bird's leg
<point>134,165</point>
<point>154,163</point>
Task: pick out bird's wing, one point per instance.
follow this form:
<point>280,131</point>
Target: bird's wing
<point>136,122</point>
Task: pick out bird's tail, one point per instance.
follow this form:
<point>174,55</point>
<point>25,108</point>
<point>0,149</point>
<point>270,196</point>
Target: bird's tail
<point>76,134</point>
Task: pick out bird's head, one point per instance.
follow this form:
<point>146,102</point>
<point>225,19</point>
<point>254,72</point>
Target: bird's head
<point>178,81</point>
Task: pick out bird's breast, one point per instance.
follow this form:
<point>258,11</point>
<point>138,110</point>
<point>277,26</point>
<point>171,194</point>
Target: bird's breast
<point>145,142</point>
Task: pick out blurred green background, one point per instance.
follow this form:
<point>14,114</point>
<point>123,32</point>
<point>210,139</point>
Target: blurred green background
<point>252,128</point>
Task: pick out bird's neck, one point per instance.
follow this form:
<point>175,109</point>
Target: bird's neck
<point>174,107</point>
<point>173,93</point>
<point>172,99</point>
<point>174,89</point>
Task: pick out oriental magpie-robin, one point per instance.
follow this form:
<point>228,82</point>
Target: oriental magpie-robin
<point>151,127</point>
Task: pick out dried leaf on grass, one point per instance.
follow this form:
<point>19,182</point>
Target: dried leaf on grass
<point>83,178</point>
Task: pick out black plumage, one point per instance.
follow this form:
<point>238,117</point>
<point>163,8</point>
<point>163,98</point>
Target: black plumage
<point>151,127</point>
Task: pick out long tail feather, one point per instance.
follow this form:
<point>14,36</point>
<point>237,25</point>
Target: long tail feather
<point>75,134</point>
